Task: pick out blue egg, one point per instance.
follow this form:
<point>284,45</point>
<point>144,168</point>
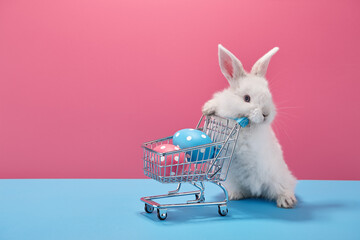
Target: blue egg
<point>188,137</point>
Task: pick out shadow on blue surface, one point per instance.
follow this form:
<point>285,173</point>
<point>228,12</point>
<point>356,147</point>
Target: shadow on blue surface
<point>249,209</point>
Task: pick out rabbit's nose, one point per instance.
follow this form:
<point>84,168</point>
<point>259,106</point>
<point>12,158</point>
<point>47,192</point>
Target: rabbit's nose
<point>265,115</point>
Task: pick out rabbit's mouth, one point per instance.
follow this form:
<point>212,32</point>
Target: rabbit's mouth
<point>266,117</point>
<point>258,117</point>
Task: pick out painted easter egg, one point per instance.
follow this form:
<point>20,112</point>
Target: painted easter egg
<point>170,165</point>
<point>188,137</point>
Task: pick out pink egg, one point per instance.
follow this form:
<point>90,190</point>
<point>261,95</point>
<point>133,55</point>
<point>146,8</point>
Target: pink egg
<point>170,165</point>
<point>197,168</point>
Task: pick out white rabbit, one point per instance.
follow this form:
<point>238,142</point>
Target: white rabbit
<point>258,168</point>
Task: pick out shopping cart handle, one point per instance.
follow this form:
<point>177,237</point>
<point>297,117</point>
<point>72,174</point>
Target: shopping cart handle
<point>243,122</point>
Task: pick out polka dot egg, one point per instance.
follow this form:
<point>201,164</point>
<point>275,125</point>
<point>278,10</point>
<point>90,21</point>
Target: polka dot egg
<point>188,137</point>
<point>170,165</point>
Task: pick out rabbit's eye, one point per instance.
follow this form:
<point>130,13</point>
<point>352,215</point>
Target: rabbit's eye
<point>247,98</point>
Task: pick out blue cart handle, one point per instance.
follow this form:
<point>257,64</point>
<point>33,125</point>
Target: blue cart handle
<point>243,122</point>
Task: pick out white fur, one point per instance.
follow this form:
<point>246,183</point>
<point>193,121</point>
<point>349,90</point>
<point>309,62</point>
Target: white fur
<point>258,168</point>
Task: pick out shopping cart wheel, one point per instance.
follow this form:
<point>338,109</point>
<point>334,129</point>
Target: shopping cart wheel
<point>223,210</point>
<point>149,208</point>
<point>162,214</point>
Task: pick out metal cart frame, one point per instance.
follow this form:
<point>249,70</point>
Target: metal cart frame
<point>224,133</point>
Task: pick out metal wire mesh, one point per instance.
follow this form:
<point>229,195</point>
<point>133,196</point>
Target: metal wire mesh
<point>185,165</point>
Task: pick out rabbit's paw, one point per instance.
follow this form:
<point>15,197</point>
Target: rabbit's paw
<point>287,200</point>
<point>236,196</point>
<point>209,108</point>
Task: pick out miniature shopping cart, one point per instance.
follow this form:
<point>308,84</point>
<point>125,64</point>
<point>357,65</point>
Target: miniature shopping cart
<point>224,133</point>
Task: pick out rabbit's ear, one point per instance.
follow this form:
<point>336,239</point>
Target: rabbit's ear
<point>230,66</point>
<point>261,65</point>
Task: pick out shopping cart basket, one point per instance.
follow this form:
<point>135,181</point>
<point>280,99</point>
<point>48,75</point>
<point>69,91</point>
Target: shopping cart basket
<point>224,133</point>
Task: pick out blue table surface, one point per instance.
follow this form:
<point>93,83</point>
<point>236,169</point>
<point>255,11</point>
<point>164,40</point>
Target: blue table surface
<point>110,209</point>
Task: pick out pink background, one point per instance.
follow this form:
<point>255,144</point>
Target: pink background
<point>84,83</point>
